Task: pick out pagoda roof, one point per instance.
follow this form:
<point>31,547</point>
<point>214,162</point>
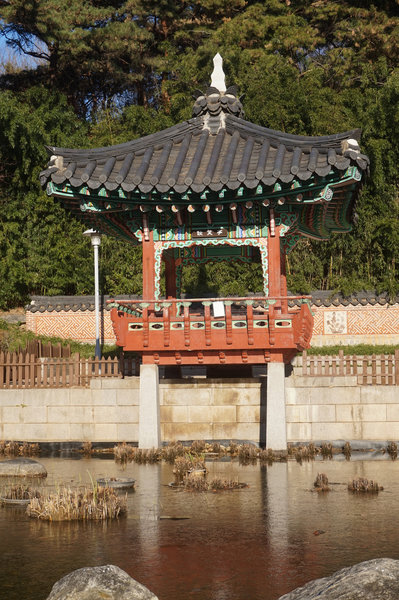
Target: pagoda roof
<point>217,149</point>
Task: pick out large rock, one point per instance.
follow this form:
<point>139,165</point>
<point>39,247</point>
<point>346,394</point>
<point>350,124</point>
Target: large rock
<point>376,579</point>
<point>92,583</point>
<point>22,467</point>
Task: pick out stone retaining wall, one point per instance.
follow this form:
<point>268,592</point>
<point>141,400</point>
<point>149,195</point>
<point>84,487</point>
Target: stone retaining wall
<point>336,408</point>
<point>317,409</point>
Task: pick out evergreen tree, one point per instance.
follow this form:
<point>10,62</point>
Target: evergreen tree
<point>109,71</point>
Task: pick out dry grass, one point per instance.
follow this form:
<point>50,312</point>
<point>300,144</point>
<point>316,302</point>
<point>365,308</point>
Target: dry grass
<point>217,484</point>
<point>196,481</point>
<point>326,450</point>
<point>172,451</point>
<point>232,448</point>
<point>247,454</point>
<point>85,504</point>
<point>123,452</point>
<point>215,448</point>
<point>87,449</point>
<point>17,449</point>
<point>267,455</point>
<point>321,483</point>
<point>364,486</point>
<point>147,456</point>
<point>188,464</point>
<point>19,492</point>
<point>197,447</point>
<point>347,450</point>
<point>392,449</point>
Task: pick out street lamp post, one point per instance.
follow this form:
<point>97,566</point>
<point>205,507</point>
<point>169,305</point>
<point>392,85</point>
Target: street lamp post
<point>95,238</point>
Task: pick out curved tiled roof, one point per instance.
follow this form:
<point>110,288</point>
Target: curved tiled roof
<point>318,299</point>
<point>215,150</point>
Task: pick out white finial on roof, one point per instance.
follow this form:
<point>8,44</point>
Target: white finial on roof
<point>217,80</point>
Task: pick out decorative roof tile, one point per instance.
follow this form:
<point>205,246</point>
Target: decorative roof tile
<point>318,299</point>
<point>216,149</point>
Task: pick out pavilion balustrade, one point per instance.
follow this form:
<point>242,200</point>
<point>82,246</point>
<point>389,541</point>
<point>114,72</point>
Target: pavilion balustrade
<point>211,323</point>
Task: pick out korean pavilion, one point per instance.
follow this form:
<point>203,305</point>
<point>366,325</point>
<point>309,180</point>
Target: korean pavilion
<point>213,188</point>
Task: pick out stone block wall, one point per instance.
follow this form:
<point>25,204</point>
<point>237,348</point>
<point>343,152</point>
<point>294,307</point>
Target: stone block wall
<point>211,409</point>
<point>106,412</point>
<point>336,408</point>
<point>317,409</point>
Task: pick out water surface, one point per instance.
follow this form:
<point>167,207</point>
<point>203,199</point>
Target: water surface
<point>255,543</point>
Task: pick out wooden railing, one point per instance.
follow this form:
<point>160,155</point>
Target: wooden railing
<point>198,324</point>
<point>376,369</point>
<point>23,370</point>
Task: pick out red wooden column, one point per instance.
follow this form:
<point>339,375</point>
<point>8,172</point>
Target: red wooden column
<point>283,283</point>
<point>170,277</point>
<point>275,281</point>
<point>274,255</point>
<point>148,267</point>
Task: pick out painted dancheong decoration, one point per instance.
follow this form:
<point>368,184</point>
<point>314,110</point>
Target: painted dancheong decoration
<point>213,188</point>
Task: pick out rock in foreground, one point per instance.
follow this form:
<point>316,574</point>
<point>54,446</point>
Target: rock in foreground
<point>22,467</point>
<point>92,583</point>
<point>376,579</point>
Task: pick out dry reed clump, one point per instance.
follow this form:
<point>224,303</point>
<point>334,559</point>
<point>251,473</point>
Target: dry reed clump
<point>303,453</point>
<point>19,492</point>
<point>145,456</point>
<point>123,452</point>
<point>364,485</point>
<point>321,483</point>
<point>197,447</point>
<point>215,448</point>
<point>247,454</point>
<point>87,449</point>
<point>172,451</point>
<point>217,484</point>
<point>186,465</point>
<point>195,481</point>
<point>232,448</point>
<point>16,449</point>
<point>67,504</point>
<point>392,449</point>
<point>326,450</point>
<point>267,455</point>
<point>347,450</point>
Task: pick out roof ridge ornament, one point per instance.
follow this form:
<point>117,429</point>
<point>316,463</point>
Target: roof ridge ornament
<point>218,101</point>
<point>218,76</point>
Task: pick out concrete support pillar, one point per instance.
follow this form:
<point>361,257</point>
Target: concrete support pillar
<point>149,417</point>
<point>276,426</point>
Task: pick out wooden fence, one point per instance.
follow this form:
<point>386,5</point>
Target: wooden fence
<point>24,370</point>
<point>377,369</point>
<point>47,349</point>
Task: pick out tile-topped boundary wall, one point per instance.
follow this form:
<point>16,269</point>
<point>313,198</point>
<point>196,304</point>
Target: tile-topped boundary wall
<point>317,409</point>
<point>364,318</point>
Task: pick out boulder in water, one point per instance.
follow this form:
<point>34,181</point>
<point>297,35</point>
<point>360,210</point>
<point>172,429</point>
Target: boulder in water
<point>91,583</point>
<point>376,579</point>
<point>22,467</point>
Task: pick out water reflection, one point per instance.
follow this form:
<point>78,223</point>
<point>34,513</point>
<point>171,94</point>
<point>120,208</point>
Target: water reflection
<point>255,543</point>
